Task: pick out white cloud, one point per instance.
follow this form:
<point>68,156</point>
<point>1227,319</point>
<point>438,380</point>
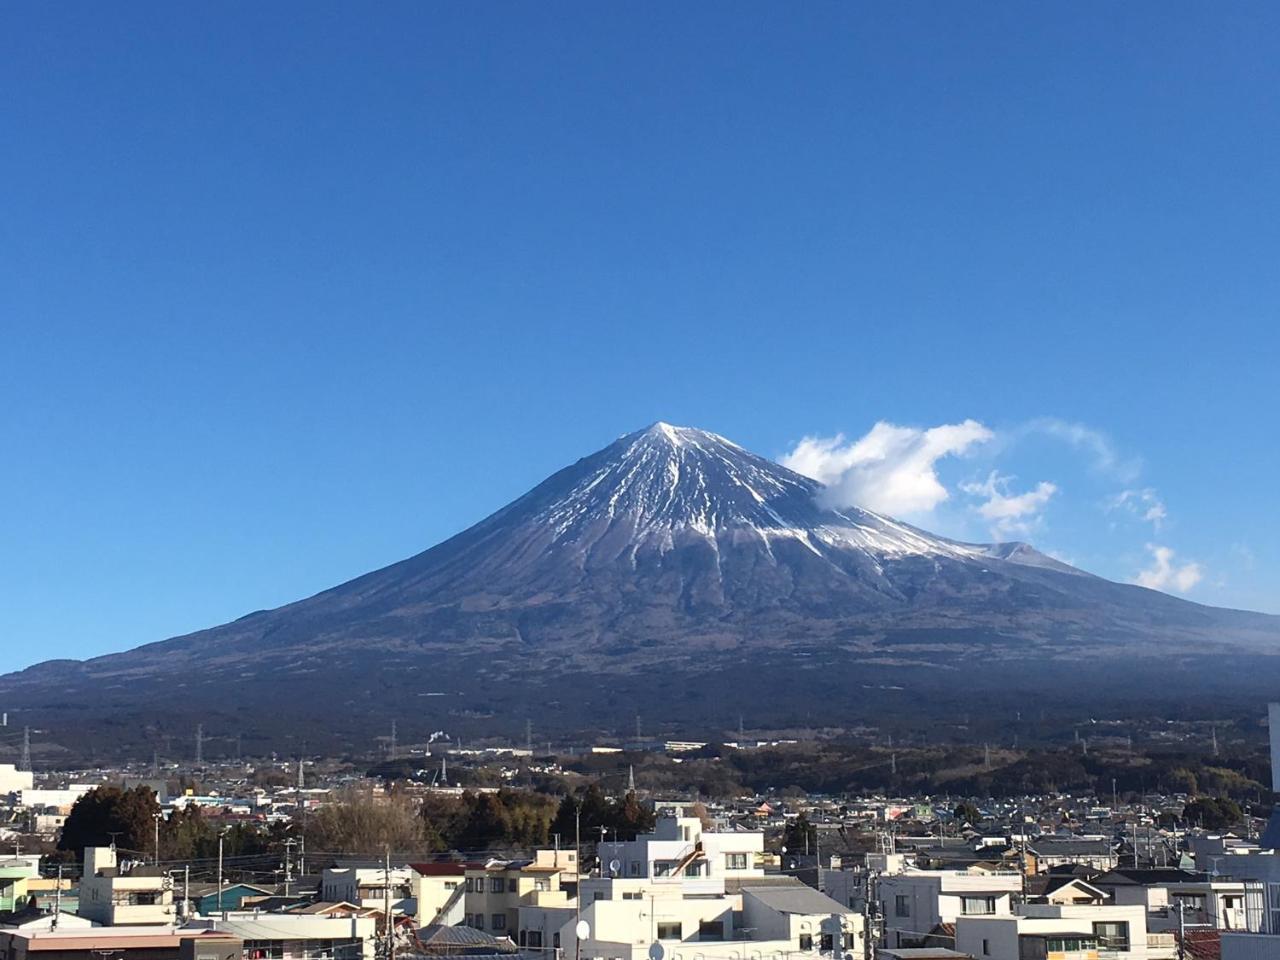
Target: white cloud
<point>1102,452</point>
<point>1145,503</point>
<point>891,469</point>
<point>1165,574</point>
<point>1010,514</point>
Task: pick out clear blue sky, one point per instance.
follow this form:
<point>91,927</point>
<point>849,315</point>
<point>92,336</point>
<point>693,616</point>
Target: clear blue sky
<point>290,291</point>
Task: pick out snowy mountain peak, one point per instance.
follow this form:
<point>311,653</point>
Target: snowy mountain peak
<point>666,484</point>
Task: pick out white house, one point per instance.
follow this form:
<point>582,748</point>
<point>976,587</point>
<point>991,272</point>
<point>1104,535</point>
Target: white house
<point>111,898</point>
<point>1065,932</point>
<point>680,846</point>
<point>914,902</point>
<point>291,936</point>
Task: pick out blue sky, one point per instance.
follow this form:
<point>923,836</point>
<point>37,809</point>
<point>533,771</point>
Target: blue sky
<point>291,291</point>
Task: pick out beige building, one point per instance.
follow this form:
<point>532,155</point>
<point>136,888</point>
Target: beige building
<point>112,898</point>
<point>440,892</point>
<point>495,891</point>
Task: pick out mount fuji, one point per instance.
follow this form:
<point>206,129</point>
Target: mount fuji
<point>674,575</point>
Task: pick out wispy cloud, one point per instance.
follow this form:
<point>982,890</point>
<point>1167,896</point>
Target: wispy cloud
<point>892,469</point>
<point>1103,455</point>
<point>1145,504</point>
<point>1010,514</point>
<point>1166,574</point>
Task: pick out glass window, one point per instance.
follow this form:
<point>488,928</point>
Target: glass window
<point>977,905</point>
<point>735,861</point>
<point>499,921</point>
<point>1112,935</point>
<point>669,931</point>
<point>711,930</point>
<point>497,884</point>
<point>826,942</point>
<point>806,941</point>
<point>901,906</point>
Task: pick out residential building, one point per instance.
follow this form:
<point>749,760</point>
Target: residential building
<point>496,890</point>
<point>915,902</point>
<point>295,936</point>
<point>440,893</point>
<point>367,887</point>
<point>681,846</point>
<point>1077,932</point>
<point>112,898</point>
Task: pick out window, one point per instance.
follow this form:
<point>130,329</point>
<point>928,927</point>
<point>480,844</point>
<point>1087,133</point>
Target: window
<point>1069,944</point>
<point>535,938</point>
<point>1112,935</point>
<point>711,930</point>
<point>735,861</point>
<point>555,940</point>
<point>661,868</point>
<point>986,947</point>
<point>669,931</point>
<point>499,921</point>
<point>143,899</point>
<point>806,941</point>
<point>901,906</point>
<point>826,942</point>
<point>466,920</point>
<point>470,885</point>
<point>479,921</point>
<point>542,884</point>
<point>632,895</point>
<point>636,868</point>
<point>497,884</point>
<point>850,940</point>
<point>451,884</point>
<point>601,895</point>
<point>513,885</point>
<point>970,906</point>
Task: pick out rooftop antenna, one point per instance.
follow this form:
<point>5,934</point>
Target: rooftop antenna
<point>25,762</point>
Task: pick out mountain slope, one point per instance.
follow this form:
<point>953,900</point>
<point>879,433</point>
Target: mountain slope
<point>672,572</point>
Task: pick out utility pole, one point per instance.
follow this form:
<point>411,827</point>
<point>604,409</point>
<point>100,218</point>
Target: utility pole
<point>222,835</point>
<point>25,762</point>
<point>186,891</point>
<point>288,864</point>
<point>386,906</point>
<point>1182,931</point>
<point>57,901</point>
<point>577,899</point>
<point>157,817</point>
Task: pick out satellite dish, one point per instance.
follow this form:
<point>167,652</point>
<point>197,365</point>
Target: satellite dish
<point>615,866</point>
<point>656,952</point>
<point>583,930</point>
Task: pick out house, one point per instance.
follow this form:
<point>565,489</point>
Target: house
<point>1095,853</point>
<point>495,891</point>
<point>294,936</point>
<point>111,897</point>
<point>368,887</point>
<point>1173,896</point>
<point>682,846</point>
<point>915,902</point>
<point>15,874</point>
<point>683,918</point>
<point>1063,889</point>
<point>207,901</point>
<point>439,890</point>
<point>1041,931</point>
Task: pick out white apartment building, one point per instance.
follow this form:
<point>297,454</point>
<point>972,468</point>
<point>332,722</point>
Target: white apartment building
<point>914,902</point>
<point>680,846</point>
<point>694,918</point>
<point>13,780</point>
<point>1064,932</point>
<point>136,899</point>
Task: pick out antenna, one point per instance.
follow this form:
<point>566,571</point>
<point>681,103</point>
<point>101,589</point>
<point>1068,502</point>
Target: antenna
<point>199,744</point>
<point>301,781</point>
<point>25,762</point>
